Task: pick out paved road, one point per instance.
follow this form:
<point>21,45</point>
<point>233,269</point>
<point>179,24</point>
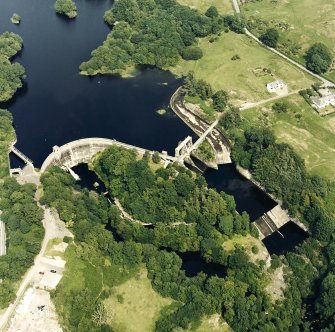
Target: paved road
<point>262,102</point>
<point>51,231</point>
<point>251,35</point>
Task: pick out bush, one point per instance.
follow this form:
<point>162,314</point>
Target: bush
<point>156,158</point>
<point>67,239</point>
<point>254,231</point>
<point>234,23</point>
<point>192,53</point>
<point>220,100</point>
<point>235,57</point>
<point>255,249</point>
<point>270,37</point>
<point>280,107</point>
<point>275,262</point>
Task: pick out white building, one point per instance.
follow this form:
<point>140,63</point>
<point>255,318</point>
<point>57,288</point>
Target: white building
<point>275,86</point>
<point>324,101</point>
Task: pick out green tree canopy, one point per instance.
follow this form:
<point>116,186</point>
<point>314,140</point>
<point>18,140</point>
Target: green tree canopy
<point>318,58</point>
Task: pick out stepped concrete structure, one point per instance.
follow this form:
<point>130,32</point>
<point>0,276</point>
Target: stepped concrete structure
<point>272,221</point>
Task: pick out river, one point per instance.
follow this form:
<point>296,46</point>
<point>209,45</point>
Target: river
<point>57,105</point>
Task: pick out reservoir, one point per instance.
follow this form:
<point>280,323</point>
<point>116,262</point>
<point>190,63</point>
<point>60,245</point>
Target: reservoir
<point>57,105</point>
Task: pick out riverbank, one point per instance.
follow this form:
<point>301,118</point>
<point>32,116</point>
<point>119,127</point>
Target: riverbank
<point>130,71</point>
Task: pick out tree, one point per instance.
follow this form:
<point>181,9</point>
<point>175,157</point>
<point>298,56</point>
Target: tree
<point>204,90</point>
<point>192,53</point>
<point>146,155</point>
<point>234,23</point>
<point>270,37</point>
<point>220,100</point>
<point>318,58</point>
<point>326,301</point>
<point>238,260</point>
<point>184,184</point>
<point>226,225</point>
<point>212,12</point>
<point>156,158</point>
<point>280,107</point>
<point>231,118</point>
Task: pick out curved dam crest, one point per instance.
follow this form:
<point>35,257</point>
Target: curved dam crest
<point>57,105</point>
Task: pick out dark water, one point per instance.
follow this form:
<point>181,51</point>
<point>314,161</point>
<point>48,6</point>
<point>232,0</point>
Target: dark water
<point>293,236</point>
<point>88,179</point>
<point>248,197</point>
<point>57,105</point>
<point>193,264</point>
<point>15,161</point>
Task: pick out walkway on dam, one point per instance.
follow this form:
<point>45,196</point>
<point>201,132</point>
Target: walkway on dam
<point>21,155</point>
<point>2,238</point>
<point>203,129</point>
<point>82,150</point>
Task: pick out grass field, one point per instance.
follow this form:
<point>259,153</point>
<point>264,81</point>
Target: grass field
<point>212,324</point>
<point>312,136</point>
<point>308,21</point>
<point>134,305</point>
<point>95,272</point>
<point>244,79</point>
<point>223,6</point>
<point>247,242</point>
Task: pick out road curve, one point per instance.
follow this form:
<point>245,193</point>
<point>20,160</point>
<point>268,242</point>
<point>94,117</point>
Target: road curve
<point>295,63</point>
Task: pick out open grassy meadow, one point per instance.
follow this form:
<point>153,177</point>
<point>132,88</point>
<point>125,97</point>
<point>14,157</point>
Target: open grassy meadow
<point>312,136</point>
<point>247,242</point>
<point>223,6</point>
<point>245,79</point>
<point>301,22</point>
<point>213,324</point>
<point>134,306</point>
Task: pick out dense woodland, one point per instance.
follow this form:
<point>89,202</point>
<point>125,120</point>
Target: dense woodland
<point>66,7</point>
<point>282,172</point>
<point>11,74</point>
<point>21,216</point>
<point>24,233</point>
<point>19,211</point>
<point>151,32</point>
<point>240,296</point>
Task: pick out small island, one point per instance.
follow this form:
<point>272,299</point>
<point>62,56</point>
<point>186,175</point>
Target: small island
<point>15,19</point>
<point>66,7</point>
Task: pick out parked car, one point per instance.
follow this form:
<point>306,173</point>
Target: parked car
<point>53,271</point>
<point>41,272</point>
